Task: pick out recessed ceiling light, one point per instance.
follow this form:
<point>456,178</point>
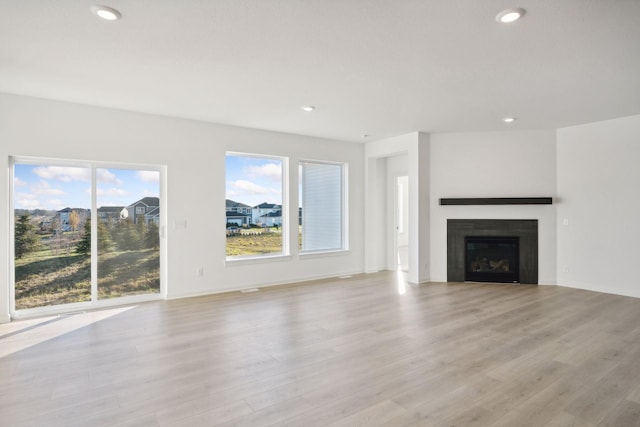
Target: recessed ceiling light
<point>308,108</point>
<point>510,15</point>
<point>106,13</point>
<point>509,119</point>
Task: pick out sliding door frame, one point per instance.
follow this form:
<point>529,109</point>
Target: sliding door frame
<point>94,302</point>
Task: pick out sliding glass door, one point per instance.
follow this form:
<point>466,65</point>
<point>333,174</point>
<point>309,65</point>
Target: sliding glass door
<point>51,207</point>
<point>128,232</point>
<point>84,233</point>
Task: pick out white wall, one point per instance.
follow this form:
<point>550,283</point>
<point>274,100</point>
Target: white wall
<point>194,153</point>
<point>376,216</point>
<point>494,164</point>
<point>599,192</point>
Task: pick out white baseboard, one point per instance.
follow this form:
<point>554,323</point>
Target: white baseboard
<point>594,288</point>
<point>256,285</point>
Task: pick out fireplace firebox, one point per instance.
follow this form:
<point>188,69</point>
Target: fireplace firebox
<point>492,259</point>
<point>526,230</point>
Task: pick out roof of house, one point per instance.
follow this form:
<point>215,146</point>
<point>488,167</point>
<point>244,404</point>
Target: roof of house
<point>234,204</point>
<point>149,201</point>
<point>266,205</point>
<point>68,210</point>
<point>115,209</point>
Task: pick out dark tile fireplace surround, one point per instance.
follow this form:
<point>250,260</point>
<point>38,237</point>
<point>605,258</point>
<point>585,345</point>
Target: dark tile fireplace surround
<point>510,250</point>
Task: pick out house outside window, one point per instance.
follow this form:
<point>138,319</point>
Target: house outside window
<point>255,200</point>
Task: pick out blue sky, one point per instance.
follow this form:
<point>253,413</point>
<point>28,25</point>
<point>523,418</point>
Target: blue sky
<point>253,180</point>
<point>57,187</point>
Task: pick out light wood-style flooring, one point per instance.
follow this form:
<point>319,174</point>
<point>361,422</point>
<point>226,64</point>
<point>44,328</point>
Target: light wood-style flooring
<point>369,350</point>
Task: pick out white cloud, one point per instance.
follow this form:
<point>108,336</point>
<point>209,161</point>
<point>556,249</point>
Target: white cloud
<point>56,204</point>
<point>148,176</point>
<point>251,193</point>
<point>248,187</point>
<point>22,200</point>
<point>271,171</point>
<point>112,196</point>
<point>149,193</point>
<point>17,182</point>
<point>26,196</point>
<point>27,203</point>
<point>104,176</point>
<point>110,192</point>
<point>43,187</point>
<point>63,173</point>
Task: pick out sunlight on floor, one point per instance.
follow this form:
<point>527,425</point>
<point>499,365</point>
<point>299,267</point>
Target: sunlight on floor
<point>22,334</point>
<point>402,282</point>
<point>403,258</point>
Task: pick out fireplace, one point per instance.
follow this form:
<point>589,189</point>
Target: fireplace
<point>492,259</point>
<point>519,251</point>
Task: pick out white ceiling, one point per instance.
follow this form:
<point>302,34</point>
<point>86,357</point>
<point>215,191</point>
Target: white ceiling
<point>377,67</point>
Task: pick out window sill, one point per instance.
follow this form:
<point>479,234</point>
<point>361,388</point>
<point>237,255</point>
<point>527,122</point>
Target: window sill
<point>322,254</point>
<point>264,259</point>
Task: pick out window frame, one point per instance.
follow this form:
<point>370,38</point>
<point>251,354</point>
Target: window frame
<point>285,254</point>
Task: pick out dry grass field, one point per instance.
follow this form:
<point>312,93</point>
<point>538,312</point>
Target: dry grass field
<point>45,279</point>
<point>258,244</point>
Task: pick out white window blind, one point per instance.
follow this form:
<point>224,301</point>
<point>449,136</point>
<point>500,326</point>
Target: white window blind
<point>322,205</point>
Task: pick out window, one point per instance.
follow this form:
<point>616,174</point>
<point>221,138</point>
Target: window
<point>139,210</point>
<point>256,224</point>
<point>322,206</point>
<point>74,241</point>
